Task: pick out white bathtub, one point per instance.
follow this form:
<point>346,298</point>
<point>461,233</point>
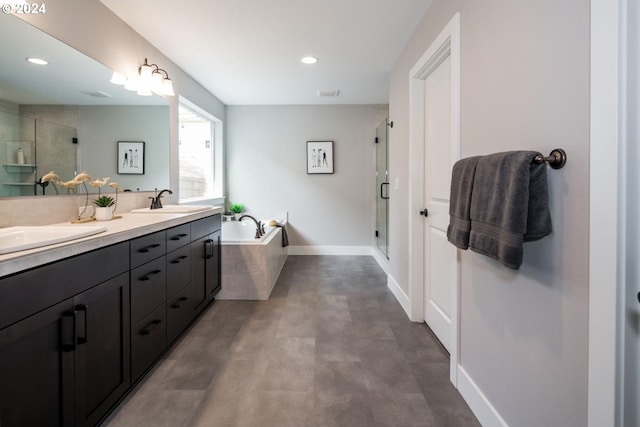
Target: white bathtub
<point>250,266</point>
<point>244,233</point>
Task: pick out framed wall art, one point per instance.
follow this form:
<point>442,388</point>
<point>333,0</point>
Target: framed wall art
<point>319,157</point>
<point>131,157</point>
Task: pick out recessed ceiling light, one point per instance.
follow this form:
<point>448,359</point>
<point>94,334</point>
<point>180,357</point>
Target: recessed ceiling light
<point>37,61</point>
<point>309,60</point>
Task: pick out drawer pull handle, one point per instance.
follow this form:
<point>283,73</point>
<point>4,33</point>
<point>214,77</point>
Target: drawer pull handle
<point>70,346</point>
<point>83,308</point>
<point>177,260</point>
<point>150,327</point>
<point>150,275</point>
<point>179,236</point>
<point>177,303</point>
<point>148,248</point>
<point>208,248</point>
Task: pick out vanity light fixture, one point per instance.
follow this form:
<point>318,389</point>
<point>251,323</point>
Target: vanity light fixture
<point>153,79</point>
<point>309,60</point>
<point>147,82</point>
<point>37,61</point>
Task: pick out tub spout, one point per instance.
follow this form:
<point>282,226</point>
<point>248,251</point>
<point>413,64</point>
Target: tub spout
<point>259,231</point>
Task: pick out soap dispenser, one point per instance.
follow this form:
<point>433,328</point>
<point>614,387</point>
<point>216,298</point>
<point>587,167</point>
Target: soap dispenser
<point>20,156</point>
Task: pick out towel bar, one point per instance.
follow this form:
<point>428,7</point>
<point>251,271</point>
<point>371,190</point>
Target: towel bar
<point>556,159</point>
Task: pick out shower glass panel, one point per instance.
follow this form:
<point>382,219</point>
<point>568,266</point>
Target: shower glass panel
<point>382,188</point>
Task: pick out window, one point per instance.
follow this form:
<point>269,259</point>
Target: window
<point>199,153</point>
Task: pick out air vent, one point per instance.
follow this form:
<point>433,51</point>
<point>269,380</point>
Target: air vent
<point>98,94</point>
<point>329,93</point>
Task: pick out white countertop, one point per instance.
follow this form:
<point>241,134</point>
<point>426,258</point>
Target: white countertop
<point>130,226</point>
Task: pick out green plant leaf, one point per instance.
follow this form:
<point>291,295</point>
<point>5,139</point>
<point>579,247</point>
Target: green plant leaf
<point>236,207</point>
<point>104,201</point>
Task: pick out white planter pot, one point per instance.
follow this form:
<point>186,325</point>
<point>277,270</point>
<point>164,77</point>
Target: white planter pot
<point>104,214</point>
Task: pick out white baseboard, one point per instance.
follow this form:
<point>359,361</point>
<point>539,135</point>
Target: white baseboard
<point>478,402</point>
<point>381,259</point>
<point>330,250</point>
<point>397,291</point>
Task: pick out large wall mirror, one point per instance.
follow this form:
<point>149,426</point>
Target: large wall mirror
<point>67,117</point>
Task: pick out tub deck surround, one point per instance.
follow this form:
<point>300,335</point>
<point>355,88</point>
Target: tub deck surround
<point>118,230</point>
<point>251,266</point>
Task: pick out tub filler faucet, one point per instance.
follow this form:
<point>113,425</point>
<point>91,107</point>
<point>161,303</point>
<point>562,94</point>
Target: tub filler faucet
<point>259,226</point>
<point>156,203</point>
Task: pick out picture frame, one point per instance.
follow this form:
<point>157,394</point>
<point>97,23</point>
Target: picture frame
<point>131,157</point>
<point>319,157</point>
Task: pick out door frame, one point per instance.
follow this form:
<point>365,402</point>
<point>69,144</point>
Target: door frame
<point>607,195</point>
<point>446,44</point>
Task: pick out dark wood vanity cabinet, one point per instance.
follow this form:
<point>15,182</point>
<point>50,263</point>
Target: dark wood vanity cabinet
<point>76,334</point>
<point>67,364</point>
<point>102,364</point>
<point>205,262</point>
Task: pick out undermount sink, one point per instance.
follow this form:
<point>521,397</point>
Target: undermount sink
<point>175,209</point>
<point>20,238</point>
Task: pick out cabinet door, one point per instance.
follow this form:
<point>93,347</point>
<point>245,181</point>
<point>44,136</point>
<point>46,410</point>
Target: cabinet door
<point>213,254</point>
<point>198,285</point>
<point>102,368</point>
<point>36,369</point>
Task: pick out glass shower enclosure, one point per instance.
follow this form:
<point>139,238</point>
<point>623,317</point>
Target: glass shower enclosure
<point>382,188</point>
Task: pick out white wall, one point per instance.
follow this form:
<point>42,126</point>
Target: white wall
<point>630,311</point>
<point>101,127</point>
<point>524,85</point>
<point>266,169</point>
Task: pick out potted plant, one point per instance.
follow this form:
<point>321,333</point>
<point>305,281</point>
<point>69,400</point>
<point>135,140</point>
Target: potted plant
<point>236,208</point>
<point>104,208</point>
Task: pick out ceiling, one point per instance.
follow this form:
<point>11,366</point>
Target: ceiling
<point>247,52</point>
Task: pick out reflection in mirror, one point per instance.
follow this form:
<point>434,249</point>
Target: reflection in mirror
<point>67,117</point>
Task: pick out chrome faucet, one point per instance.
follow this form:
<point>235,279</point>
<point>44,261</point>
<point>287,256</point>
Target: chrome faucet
<point>155,201</point>
<point>259,227</point>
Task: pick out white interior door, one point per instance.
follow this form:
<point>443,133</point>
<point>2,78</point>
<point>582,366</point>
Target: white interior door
<point>440,256</point>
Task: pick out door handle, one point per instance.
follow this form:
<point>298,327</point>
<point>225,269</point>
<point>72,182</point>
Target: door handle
<point>71,344</point>
<point>424,212</point>
<point>208,248</point>
<point>83,308</point>
<point>381,192</point>
<point>638,296</point>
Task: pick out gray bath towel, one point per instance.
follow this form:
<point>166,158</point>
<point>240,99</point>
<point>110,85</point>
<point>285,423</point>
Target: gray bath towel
<point>462,176</point>
<point>509,205</point>
<point>285,237</point>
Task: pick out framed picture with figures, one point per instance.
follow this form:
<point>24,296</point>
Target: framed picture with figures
<point>319,157</point>
<point>131,157</point>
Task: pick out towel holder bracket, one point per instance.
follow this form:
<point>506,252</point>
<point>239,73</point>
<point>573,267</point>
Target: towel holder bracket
<point>556,159</point>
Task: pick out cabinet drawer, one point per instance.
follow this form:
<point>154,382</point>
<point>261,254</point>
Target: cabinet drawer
<point>146,248</point>
<point>179,313</point>
<point>178,269</point>
<point>148,341</point>
<point>178,236</point>
<point>148,288</point>
<point>204,226</point>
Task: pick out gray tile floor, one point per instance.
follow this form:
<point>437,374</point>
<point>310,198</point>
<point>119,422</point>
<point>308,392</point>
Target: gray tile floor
<point>331,347</point>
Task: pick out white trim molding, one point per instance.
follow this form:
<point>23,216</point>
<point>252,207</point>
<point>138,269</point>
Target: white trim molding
<point>606,213</point>
<point>330,250</point>
<point>447,44</point>
<point>397,292</point>
<point>478,402</point>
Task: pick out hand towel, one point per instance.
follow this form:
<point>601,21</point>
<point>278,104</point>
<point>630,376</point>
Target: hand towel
<point>509,205</point>
<point>462,177</point>
<point>285,237</point>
